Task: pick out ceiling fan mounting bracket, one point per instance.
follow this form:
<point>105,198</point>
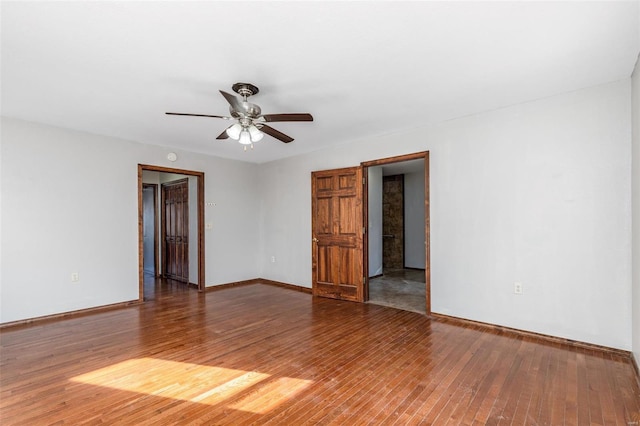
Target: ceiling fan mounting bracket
<point>245,89</point>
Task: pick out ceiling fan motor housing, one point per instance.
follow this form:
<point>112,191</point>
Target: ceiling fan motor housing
<point>248,110</point>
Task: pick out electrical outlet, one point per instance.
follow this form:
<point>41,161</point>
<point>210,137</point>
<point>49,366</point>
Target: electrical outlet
<point>273,259</point>
<point>517,288</point>
<point>75,277</point>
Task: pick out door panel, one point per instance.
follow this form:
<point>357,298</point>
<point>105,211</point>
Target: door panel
<point>348,226</point>
<point>323,216</point>
<point>175,218</point>
<point>337,233</point>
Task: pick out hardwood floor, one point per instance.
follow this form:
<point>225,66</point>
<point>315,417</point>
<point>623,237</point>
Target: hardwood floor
<point>266,355</point>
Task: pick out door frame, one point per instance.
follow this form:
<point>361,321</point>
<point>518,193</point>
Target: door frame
<point>200,228</point>
<point>156,263</point>
<point>427,217</point>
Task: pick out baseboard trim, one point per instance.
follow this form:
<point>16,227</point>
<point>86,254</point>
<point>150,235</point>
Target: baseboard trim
<point>524,333</point>
<point>88,311</point>
<point>285,285</point>
<point>434,316</point>
<point>231,284</point>
<point>259,281</point>
<point>636,369</point>
<point>376,276</point>
<point>70,314</point>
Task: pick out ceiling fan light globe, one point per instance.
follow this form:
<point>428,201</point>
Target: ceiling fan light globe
<point>255,133</point>
<point>234,131</point>
<point>245,138</point>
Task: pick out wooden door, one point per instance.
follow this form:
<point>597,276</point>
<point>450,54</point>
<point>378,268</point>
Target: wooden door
<point>337,229</point>
<point>175,230</point>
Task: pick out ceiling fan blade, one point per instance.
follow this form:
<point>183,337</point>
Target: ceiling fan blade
<point>276,133</point>
<point>235,103</point>
<point>224,134</point>
<point>272,118</point>
<point>198,115</point>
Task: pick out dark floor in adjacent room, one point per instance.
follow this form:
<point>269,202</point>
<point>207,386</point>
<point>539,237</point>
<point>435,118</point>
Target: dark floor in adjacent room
<point>401,289</point>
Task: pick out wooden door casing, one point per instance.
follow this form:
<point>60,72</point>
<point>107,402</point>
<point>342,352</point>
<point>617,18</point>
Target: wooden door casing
<point>427,215</point>
<point>337,234</point>
<point>175,230</point>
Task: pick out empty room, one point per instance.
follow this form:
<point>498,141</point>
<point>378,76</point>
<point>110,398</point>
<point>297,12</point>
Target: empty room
<point>312,212</point>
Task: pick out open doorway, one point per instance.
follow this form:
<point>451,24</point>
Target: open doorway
<point>150,228</point>
<point>397,243</point>
<point>178,228</point>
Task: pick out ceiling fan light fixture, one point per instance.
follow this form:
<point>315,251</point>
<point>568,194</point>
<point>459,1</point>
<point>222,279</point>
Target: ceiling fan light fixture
<point>245,137</point>
<point>255,133</point>
<point>234,131</point>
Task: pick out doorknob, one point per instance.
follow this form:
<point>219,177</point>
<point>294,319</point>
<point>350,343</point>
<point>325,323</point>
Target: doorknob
<point>315,240</point>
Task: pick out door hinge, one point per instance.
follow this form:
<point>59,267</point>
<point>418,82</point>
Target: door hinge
<point>364,230</point>
<point>364,280</point>
<point>364,180</point>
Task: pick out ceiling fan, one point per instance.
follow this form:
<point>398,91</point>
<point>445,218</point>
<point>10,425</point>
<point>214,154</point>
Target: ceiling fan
<point>250,124</point>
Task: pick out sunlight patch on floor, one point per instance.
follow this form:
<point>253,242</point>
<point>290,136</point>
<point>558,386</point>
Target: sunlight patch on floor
<point>196,383</point>
<point>270,396</point>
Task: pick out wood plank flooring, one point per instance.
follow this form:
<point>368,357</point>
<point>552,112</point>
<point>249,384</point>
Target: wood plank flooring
<point>260,354</point>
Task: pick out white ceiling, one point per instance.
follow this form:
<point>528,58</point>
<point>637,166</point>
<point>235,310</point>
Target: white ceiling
<point>361,68</point>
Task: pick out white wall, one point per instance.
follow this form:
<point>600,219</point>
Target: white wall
<point>537,193</point>
<point>636,210</point>
<point>149,229</point>
<point>374,183</point>
<point>70,205</point>
<point>150,176</point>
<point>414,247</point>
